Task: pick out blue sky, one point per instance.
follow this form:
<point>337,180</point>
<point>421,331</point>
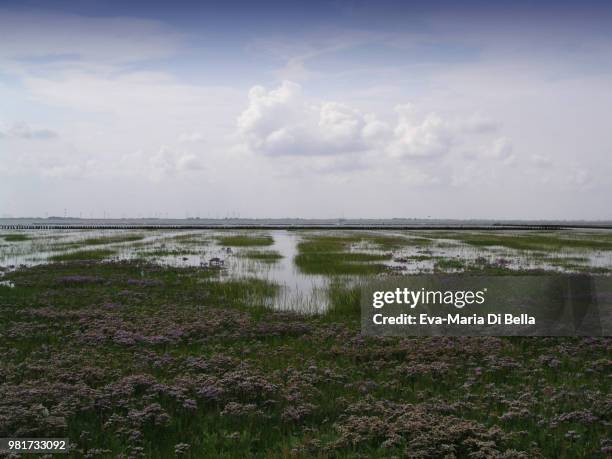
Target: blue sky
<point>309,109</point>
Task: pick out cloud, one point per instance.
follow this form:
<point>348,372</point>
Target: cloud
<point>419,138</point>
<point>188,162</point>
<point>579,177</point>
<point>25,131</point>
<point>165,163</point>
<point>132,111</point>
<point>283,122</point>
<point>190,137</point>
<point>26,153</point>
<point>542,161</point>
<point>502,149</point>
<point>478,123</point>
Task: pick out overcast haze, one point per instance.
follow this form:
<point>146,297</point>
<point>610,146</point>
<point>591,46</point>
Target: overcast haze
<point>309,109</point>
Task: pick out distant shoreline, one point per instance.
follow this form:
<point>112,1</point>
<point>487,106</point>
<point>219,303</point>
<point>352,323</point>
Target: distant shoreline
<point>294,224</point>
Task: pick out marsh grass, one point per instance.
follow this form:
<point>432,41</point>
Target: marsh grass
<point>267,256</point>
<point>446,264</point>
<point>331,255</point>
<point>396,242</point>
<point>345,301</point>
<point>82,255</point>
<point>201,239</point>
<point>338,263</point>
<point>248,294</point>
<point>100,240</point>
<point>137,358</point>
<point>16,237</point>
<point>243,240</point>
<point>534,241</point>
<point>118,341</point>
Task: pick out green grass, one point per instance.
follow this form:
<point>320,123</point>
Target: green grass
<point>267,256</point>
<point>102,240</point>
<point>314,244</point>
<point>244,240</point>
<point>16,237</point>
<point>338,263</point>
<point>330,255</point>
<point>201,239</point>
<point>345,302</point>
<point>531,241</point>
<point>446,264</point>
<point>395,242</point>
<point>82,255</point>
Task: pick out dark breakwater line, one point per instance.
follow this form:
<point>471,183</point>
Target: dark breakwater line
<point>472,227</point>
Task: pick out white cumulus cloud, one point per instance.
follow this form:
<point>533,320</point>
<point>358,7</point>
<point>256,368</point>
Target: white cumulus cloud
<point>282,121</point>
<point>419,138</point>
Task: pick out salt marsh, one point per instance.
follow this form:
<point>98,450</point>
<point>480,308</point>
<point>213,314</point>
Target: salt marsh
<point>248,344</point>
<point>304,264</point>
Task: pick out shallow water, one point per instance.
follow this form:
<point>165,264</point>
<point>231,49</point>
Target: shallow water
<point>298,291</point>
<point>451,249</point>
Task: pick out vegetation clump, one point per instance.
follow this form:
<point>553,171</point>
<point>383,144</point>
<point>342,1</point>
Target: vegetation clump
<point>266,256</point>
<point>16,237</point>
<point>446,264</point>
<point>243,240</point>
<point>331,255</point>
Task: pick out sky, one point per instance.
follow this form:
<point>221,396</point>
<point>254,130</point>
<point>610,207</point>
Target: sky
<point>318,109</point>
